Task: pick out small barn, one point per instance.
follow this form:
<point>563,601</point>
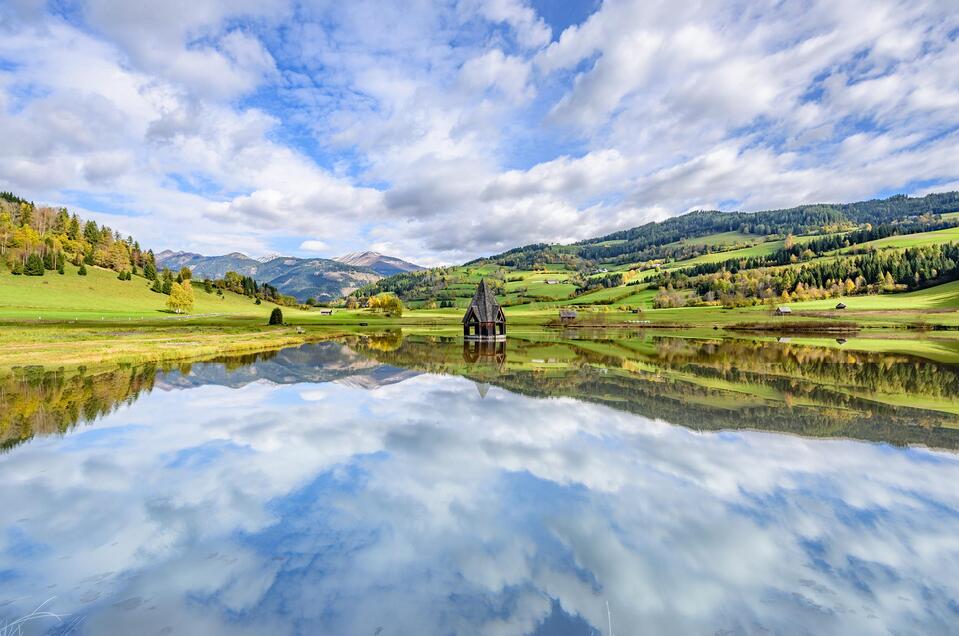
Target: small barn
<point>484,318</point>
<point>841,306</point>
<point>326,312</point>
<point>783,311</point>
<point>567,315</point>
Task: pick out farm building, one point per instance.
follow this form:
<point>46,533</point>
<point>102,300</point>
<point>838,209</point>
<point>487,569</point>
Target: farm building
<point>841,306</point>
<point>484,318</point>
<point>567,314</point>
<point>783,311</point>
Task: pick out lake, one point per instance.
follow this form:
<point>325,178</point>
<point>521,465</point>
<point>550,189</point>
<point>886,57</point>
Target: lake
<point>563,484</point>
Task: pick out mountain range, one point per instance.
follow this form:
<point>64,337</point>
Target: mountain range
<point>303,278</point>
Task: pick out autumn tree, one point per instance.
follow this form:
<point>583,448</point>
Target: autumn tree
<point>181,297</point>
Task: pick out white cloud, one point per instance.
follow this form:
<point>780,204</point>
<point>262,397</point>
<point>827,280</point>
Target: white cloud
<point>405,125</point>
<point>314,245</point>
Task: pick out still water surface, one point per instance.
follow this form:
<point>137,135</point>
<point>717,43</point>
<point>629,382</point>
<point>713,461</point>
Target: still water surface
<point>403,486</point>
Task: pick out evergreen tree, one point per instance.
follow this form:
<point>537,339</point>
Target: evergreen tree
<point>157,286</point>
<point>73,230</point>
<point>83,270</point>
<point>91,233</point>
<point>168,287</point>
<point>276,316</point>
<point>34,266</point>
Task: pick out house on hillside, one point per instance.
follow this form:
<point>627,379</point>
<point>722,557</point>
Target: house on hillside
<point>783,311</point>
<point>484,318</point>
<point>552,282</point>
<point>567,315</point>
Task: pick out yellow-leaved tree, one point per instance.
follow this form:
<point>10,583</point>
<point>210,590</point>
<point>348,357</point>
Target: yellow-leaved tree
<point>181,297</point>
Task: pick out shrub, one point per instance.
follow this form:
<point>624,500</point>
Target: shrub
<point>276,316</point>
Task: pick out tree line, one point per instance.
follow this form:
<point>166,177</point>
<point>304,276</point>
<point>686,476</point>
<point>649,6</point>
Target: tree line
<point>37,239</point>
<point>871,272</point>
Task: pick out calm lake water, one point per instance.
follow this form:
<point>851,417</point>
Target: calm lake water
<point>388,485</point>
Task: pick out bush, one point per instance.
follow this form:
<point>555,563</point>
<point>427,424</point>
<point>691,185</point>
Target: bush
<point>83,270</point>
<point>276,316</point>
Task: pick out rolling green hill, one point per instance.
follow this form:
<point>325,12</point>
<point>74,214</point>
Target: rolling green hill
<point>813,253</point>
<point>100,295</point>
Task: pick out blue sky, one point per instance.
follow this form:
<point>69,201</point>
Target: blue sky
<point>440,131</point>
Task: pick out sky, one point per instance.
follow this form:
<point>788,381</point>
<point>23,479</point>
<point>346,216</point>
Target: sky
<point>445,130</point>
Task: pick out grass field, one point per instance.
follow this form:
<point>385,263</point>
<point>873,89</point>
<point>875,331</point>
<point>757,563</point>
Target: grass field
<point>761,249</point>
<point>101,295</point>
<point>722,238</point>
<point>921,239</point>
<point>944,296</point>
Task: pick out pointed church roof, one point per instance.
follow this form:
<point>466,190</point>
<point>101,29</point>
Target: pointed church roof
<point>483,388</point>
<point>484,304</point>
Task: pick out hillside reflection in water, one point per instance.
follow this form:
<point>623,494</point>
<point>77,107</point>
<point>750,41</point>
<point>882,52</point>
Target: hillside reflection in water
<point>398,485</point>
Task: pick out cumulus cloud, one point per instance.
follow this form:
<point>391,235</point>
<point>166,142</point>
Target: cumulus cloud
<point>403,125</point>
<point>313,245</point>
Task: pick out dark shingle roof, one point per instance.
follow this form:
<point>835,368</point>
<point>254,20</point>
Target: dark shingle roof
<point>483,304</point>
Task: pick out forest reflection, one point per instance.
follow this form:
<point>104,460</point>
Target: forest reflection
<point>706,384</point>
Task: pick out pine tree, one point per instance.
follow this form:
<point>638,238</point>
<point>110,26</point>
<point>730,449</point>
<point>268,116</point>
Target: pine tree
<point>276,316</point>
<point>157,286</point>
<point>34,266</point>
<point>83,270</point>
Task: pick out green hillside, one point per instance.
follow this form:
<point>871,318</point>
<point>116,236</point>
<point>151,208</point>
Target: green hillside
<point>886,255</point>
<point>101,295</point>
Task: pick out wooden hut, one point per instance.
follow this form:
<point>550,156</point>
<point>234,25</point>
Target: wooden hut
<point>841,306</point>
<point>783,311</point>
<point>567,315</point>
<point>484,318</point>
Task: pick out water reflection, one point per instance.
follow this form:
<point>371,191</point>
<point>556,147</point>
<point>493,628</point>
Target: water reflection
<point>345,488</point>
<point>699,383</point>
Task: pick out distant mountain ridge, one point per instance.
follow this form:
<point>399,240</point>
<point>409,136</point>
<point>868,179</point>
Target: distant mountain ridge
<point>379,263</point>
<point>302,278</point>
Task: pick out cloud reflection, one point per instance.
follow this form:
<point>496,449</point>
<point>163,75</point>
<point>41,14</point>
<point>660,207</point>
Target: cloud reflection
<point>421,508</point>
